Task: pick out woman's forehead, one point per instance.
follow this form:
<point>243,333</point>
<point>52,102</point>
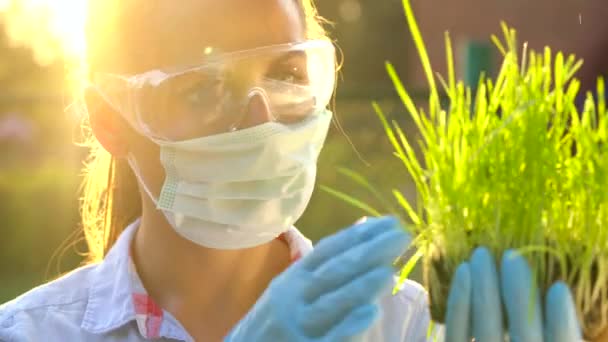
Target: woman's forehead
<point>168,32</point>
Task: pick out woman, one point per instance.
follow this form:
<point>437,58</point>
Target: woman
<point>209,117</point>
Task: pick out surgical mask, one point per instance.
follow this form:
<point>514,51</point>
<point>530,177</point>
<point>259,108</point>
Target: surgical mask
<point>240,189</point>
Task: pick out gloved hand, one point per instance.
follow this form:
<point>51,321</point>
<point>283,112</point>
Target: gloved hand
<point>475,308</point>
<point>330,294</point>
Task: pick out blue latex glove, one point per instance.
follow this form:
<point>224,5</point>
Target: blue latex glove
<point>475,306</point>
<point>330,294</point>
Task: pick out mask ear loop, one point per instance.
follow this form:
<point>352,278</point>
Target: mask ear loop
<point>255,91</point>
<point>136,171</point>
<point>173,219</point>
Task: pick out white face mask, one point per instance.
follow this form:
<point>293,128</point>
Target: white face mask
<point>240,189</point>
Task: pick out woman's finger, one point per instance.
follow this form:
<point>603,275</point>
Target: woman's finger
<point>331,308</point>
<point>380,250</point>
<point>561,323</point>
<point>458,316</point>
<point>354,324</point>
<point>346,239</point>
<point>486,304</point>
<point>521,298</point>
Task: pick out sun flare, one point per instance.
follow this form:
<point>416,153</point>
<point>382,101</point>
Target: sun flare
<point>52,28</point>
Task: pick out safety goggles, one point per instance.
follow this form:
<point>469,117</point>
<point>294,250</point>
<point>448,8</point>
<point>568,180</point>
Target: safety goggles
<point>296,80</point>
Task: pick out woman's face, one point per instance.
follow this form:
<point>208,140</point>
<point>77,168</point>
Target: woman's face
<point>164,34</point>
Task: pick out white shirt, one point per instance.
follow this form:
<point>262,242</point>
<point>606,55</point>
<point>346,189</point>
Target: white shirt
<point>107,302</point>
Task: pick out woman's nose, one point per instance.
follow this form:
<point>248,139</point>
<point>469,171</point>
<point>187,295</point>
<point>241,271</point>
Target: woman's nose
<point>257,111</point>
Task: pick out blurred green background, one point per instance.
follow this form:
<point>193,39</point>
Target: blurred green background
<point>40,163</point>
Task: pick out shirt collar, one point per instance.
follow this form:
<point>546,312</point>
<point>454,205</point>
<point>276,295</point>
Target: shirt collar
<point>110,306</point>
<point>117,295</point>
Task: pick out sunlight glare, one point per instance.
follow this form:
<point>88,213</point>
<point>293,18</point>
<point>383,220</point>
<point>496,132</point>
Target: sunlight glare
<point>52,28</point>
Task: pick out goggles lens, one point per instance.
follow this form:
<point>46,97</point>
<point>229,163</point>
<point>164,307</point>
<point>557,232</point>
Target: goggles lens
<point>296,79</point>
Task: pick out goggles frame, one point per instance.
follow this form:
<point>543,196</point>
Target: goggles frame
<point>212,59</point>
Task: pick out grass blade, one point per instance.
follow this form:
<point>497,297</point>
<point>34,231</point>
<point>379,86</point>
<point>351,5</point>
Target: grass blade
<point>407,269</point>
<point>351,200</point>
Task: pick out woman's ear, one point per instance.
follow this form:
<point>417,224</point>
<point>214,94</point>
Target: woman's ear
<point>107,125</point>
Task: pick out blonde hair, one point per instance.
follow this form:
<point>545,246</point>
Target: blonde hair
<point>110,197</point>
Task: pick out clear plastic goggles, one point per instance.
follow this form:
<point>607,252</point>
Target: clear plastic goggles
<point>296,81</point>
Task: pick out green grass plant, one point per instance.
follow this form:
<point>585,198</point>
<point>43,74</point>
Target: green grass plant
<point>511,164</point>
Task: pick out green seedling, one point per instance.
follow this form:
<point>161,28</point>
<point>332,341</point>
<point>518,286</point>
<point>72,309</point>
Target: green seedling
<point>512,164</point>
